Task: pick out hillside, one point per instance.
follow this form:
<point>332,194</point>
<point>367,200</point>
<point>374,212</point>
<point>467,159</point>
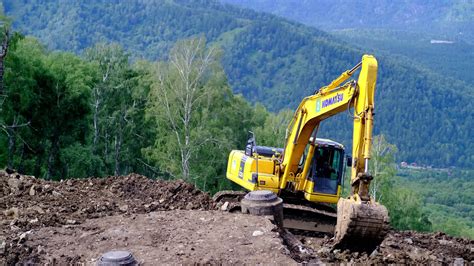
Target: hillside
<point>451,19</point>
<point>410,29</point>
<point>446,57</point>
<point>269,59</point>
<point>449,212</point>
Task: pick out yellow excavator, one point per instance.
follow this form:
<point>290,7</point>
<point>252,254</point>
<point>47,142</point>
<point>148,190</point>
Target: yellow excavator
<point>308,172</point>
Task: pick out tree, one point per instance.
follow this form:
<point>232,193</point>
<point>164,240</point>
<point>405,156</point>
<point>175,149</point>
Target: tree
<point>109,59</point>
<point>272,131</point>
<point>403,204</point>
<point>197,118</point>
<point>65,98</point>
<point>47,93</point>
<point>10,129</point>
<point>5,25</point>
<point>23,62</point>
<point>382,166</point>
<point>118,104</point>
<point>405,210</point>
<point>181,90</point>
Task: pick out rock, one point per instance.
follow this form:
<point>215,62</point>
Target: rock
<point>9,171</point>
<point>24,236</point>
<point>408,241</point>
<point>14,184</point>
<point>47,188</point>
<point>32,190</point>
<point>257,233</point>
<point>13,213</point>
<point>458,262</point>
<point>41,250</point>
<point>389,257</point>
<point>189,206</point>
<point>444,242</point>
<point>225,206</point>
<point>374,253</point>
<point>56,194</point>
<point>14,228</point>
<point>36,209</point>
<point>69,182</point>
<point>33,221</point>
<point>324,250</point>
<point>3,245</point>
<point>415,254</point>
<point>123,208</point>
<point>71,221</point>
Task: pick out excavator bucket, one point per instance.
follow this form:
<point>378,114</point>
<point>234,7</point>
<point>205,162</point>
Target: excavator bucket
<point>360,226</point>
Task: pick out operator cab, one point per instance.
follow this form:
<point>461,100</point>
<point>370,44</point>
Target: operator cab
<point>327,166</point>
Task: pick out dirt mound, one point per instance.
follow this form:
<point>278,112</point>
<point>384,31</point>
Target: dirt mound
<point>26,197</point>
<point>39,217</point>
<point>28,203</point>
<point>400,248</point>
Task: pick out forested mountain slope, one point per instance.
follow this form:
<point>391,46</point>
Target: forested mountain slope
<point>273,61</point>
<point>451,19</point>
<point>435,34</point>
<point>443,56</point>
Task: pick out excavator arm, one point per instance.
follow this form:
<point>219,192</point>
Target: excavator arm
<point>329,101</point>
<point>361,222</point>
<point>363,125</point>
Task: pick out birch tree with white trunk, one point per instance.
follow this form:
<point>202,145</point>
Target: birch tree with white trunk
<point>179,92</point>
<point>382,165</point>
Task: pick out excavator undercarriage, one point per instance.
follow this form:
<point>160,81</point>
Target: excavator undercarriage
<point>358,227</point>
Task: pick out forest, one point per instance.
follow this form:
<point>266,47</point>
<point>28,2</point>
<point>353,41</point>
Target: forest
<point>273,61</point>
<point>98,107</point>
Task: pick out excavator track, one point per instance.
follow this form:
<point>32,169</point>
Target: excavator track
<point>360,225</point>
<point>304,218</point>
<point>295,216</point>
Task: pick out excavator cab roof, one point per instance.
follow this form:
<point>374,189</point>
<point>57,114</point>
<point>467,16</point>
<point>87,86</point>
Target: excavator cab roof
<point>327,142</point>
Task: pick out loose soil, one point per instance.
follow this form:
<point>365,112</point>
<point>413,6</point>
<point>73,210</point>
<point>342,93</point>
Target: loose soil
<point>162,237</point>
<point>75,221</point>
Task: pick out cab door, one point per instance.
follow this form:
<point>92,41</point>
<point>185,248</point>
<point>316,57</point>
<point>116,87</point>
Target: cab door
<point>326,170</point>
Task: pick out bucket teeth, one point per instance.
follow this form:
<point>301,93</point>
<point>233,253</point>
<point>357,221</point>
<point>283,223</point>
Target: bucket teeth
<point>360,226</point>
